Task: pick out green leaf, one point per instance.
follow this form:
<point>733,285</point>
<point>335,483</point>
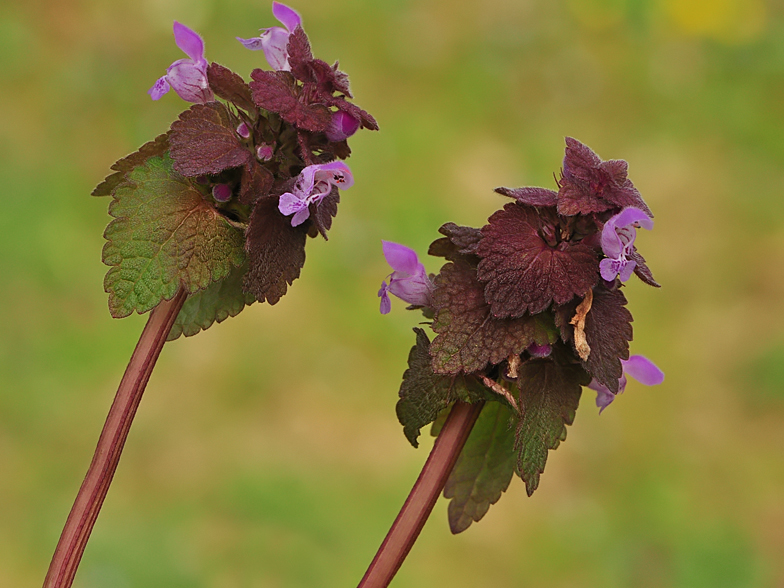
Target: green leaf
<point>216,303</point>
<point>423,394</point>
<point>549,395</point>
<point>164,234</point>
<point>484,468</point>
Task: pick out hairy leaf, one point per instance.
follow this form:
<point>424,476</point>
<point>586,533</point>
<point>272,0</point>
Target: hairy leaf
<point>525,273</point>
<point>549,395</point>
<point>589,184</point>
<point>204,141</point>
<point>641,269</point>
<point>230,86</point>
<point>469,337</point>
<point>423,394</point>
<point>216,303</point>
<point>459,242</point>
<point>300,56</point>
<point>255,183</point>
<point>608,331</point>
<point>164,234</point>
<point>154,148</point>
<point>323,212</point>
<point>276,251</point>
<point>531,196</point>
<point>483,469</point>
<point>276,92</point>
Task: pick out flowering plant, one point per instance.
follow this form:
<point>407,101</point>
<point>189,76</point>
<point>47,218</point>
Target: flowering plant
<point>526,312</point>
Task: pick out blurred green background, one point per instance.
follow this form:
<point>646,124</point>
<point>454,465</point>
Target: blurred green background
<point>266,451</point>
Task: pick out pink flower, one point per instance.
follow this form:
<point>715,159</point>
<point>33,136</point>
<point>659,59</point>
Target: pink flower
<point>188,77</point>
<point>618,237</point>
<point>274,40</point>
<point>312,185</point>
<point>638,367</point>
<point>409,281</point>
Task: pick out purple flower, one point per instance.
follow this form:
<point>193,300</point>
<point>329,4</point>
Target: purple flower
<point>274,40</point>
<point>342,126</point>
<point>618,237</point>
<point>409,281</point>
<point>312,185</point>
<point>221,192</point>
<point>638,367</point>
<point>188,77</point>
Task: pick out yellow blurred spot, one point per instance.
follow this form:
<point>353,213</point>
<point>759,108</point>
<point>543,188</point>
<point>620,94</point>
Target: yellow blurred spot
<point>731,21</point>
<point>599,14</point>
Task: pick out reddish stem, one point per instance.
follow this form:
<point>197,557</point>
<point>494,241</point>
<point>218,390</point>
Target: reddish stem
<point>87,505</point>
<point>423,496</point>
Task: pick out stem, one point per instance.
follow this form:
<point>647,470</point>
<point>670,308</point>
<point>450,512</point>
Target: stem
<point>87,505</point>
<point>423,496</point>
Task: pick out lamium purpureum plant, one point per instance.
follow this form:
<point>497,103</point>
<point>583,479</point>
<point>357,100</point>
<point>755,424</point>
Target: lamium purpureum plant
<point>526,312</point>
<point>213,214</point>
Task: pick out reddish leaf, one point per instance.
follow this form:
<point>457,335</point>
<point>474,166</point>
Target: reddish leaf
<point>531,196</point>
<point>469,337</point>
<point>323,212</point>
<point>589,184</point>
<point>641,269</point>
<point>256,182</point>
<point>204,141</point>
<point>154,148</point>
<point>525,273</point>
<point>276,252</point>
<point>230,86</point>
<point>276,92</point>
<point>365,119</point>
<point>459,243</point>
<point>300,56</point>
<point>608,331</point>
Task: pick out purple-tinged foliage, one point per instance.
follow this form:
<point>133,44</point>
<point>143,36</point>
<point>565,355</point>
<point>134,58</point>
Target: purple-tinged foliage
<point>274,40</point>
<point>409,280</point>
<point>313,184</point>
<point>618,237</point>
<point>230,87</point>
<point>589,184</point>
<point>638,367</point>
<point>531,196</point>
<point>188,77</point>
<point>460,243</point>
<point>527,264</point>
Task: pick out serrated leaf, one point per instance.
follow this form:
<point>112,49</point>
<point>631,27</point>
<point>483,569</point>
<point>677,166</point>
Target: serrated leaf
<point>276,251</point>
<point>423,394</point>
<point>215,303</point>
<point>590,185</point>
<point>230,86</point>
<point>164,234</point>
<point>469,337</point>
<point>641,270</point>
<point>531,196</point>
<point>608,331</point>
<point>549,396</point>
<point>255,183</point>
<point>276,92</point>
<point>483,469</point>
<point>154,148</point>
<point>522,271</point>
<point>204,141</point>
<point>459,242</point>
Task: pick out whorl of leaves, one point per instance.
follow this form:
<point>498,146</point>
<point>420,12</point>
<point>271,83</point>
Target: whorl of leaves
<point>204,141</point>
<point>549,396</point>
<point>523,272</point>
<point>469,337</point>
<point>277,91</point>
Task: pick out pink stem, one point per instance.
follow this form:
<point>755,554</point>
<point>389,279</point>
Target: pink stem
<point>87,505</point>
<point>423,496</point>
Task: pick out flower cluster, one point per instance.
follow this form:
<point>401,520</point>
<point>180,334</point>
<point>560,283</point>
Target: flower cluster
<point>529,308</point>
<point>264,156</point>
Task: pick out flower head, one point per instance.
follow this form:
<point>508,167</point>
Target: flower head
<point>342,126</point>
<point>618,237</point>
<point>638,367</point>
<point>188,77</point>
<point>274,40</point>
<point>409,281</point>
<point>312,185</point>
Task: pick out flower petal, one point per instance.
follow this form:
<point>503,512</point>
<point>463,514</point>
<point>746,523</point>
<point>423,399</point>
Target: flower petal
<point>300,217</point>
<point>386,303</point>
<point>412,289</point>
<point>643,370</point>
<point>336,173</point>
<point>289,17</point>
<point>254,44</point>
<point>190,42</point>
<point>401,258</point>
<point>274,42</point>
<point>630,215</point>
<point>159,88</point>
<point>290,204</point>
<point>189,80</point>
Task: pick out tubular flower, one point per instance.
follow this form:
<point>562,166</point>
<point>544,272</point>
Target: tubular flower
<point>618,237</point>
<point>342,126</point>
<point>312,185</point>
<point>409,281</point>
<point>638,367</point>
<point>274,40</point>
<point>188,77</point>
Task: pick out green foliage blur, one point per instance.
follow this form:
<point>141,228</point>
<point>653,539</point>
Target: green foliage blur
<point>266,451</point>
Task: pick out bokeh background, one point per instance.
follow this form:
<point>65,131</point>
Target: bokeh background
<point>266,452</point>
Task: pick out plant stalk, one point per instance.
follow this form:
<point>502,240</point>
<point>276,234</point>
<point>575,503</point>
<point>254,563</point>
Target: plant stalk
<point>423,496</point>
<point>87,505</point>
